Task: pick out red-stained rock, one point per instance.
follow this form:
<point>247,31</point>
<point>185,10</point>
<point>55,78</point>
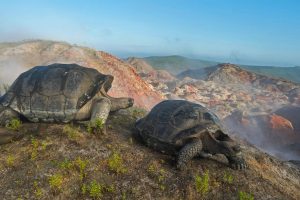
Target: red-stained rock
<point>279,122</point>
<point>127,83</point>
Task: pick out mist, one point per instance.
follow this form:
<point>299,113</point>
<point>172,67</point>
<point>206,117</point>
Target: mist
<point>9,71</point>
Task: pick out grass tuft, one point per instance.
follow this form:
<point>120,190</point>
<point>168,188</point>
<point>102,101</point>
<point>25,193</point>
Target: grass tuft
<point>115,163</point>
<point>202,183</point>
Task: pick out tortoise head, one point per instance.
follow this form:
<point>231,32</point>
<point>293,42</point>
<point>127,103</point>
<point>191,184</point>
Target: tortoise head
<point>116,103</point>
<point>121,103</point>
<point>227,146</point>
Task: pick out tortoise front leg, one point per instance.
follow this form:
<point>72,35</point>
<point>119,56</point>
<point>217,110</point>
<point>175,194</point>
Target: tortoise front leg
<point>188,152</point>
<point>237,162</point>
<point>99,113</point>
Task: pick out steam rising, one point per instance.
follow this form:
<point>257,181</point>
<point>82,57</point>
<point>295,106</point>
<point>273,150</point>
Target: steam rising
<point>281,143</point>
<point>9,71</point>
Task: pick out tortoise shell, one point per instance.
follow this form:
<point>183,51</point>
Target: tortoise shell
<point>170,120</point>
<point>54,92</point>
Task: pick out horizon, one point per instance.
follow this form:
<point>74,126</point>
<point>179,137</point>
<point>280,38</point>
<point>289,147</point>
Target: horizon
<point>253,33</point>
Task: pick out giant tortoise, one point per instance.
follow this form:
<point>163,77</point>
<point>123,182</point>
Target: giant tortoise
<point>187,130</point>
<point>60,93</point>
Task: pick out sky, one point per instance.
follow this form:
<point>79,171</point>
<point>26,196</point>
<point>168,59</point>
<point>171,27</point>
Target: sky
<point>260,32</point>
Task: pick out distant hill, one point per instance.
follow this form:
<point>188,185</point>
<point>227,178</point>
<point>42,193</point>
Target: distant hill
<point>289,73</point>
<point>176,64</point>
<point>194,68</point>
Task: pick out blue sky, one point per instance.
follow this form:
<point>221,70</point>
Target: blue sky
<point>241,31</point>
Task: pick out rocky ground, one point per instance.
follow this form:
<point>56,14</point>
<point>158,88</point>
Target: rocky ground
<point>66,162</point>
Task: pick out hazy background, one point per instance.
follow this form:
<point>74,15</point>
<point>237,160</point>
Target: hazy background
<point>262,32</point>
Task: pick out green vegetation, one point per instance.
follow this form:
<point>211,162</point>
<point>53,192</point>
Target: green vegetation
<point>70,131</point>
<point>10,160</point>
<point>228,178</point>
<point>245,196</point>
<point>97,126</point>
<point>14,124</point>
<point>115,163</point>
<point>66,165</point>
<point>34,151</point>
<point>158,173</point>
<point>202,183</point>
<point>56,182</point>
<point>81,166</point>
<point>38,193</point>
<point>95,189</point>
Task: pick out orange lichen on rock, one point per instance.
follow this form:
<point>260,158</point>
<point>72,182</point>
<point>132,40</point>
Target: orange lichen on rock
<point>279,122</point>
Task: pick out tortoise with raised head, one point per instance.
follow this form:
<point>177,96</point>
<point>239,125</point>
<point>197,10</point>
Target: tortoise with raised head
<point>60,93</point>
<point>187,130</point>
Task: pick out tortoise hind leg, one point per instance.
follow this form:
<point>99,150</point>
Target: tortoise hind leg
<point>188,152</point>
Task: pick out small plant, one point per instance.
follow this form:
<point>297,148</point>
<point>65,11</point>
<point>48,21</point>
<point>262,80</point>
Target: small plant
<point>110,188</point>
<point>202,183</point>
<point>66,165</point>
<point>84,189</point>
<point>95,189</point>
<point>81,165</point>
<point>37,190</point>
<point>228,178</point>
<point>158,174</point>
<point>124,196</point>
<point>14,124</point>
<point>138,113</point>
<point>115,163</point>
<point>97,126</point>
<point>70,131</point>
<point>151,168</point>
<point>10,161</point>
<point>56,182</point>
<point>44,145</point>
<point>245,196</point>
<point>35,146</point>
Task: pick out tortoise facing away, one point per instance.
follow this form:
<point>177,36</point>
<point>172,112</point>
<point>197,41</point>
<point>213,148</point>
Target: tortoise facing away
<point>187,130</point>
<point>60,93</point>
